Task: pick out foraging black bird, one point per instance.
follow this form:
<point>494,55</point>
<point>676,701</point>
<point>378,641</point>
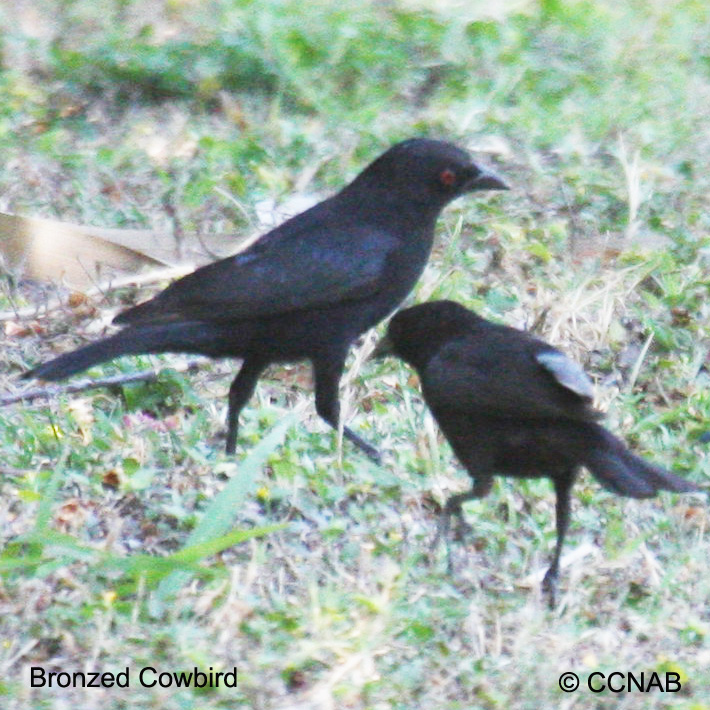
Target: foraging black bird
<point>510,404</point>
<point>308,288</point>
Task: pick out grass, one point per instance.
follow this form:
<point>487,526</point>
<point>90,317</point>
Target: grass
<point>129,538</point>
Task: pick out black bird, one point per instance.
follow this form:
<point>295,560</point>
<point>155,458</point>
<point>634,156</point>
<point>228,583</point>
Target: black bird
<point>307,289</point>
<point>511,404</point>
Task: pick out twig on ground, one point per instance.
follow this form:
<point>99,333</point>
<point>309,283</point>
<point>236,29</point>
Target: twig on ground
<point>53,390</point>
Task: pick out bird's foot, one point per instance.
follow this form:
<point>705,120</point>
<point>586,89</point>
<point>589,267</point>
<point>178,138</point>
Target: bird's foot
<point>462,528</point>
<point>368,449</point>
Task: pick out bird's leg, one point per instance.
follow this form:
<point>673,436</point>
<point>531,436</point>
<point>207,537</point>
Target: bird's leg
<point>240,391</point>
<point>563,486</point>
<point>327,374</point>
<point>481,488</point>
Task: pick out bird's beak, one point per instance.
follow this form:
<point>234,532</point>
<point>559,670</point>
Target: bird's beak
<point>383,348</point>
<point>486,180</point>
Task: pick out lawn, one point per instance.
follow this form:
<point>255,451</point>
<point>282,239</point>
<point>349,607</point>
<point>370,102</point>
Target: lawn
<point>133,546</point>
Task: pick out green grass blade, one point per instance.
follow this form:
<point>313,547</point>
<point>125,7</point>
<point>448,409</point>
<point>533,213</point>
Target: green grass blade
<point>219,515</point>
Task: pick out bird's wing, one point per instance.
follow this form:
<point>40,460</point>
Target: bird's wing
<point>566,372</point>
<point>309,266</point>
<point>506,379</point>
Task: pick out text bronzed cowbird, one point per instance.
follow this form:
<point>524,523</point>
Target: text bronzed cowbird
<point>513,405</point>
<point>308,288</point>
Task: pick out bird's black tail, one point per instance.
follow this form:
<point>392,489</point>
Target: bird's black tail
<point>626,474</point>
<point>197,338</point>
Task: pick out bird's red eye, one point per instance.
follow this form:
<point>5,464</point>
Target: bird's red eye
<point>447,177</point>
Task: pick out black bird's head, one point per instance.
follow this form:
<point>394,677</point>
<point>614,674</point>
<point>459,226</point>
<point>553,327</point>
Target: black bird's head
<point>426,171</point>
<point>416,334</point>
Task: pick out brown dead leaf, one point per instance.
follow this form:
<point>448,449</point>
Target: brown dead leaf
<point>111,479</point>
<point>76,299</point>
<point>74,514</point>
<point>53,251</point>
<point>83,256</point>
<point>13,329</point>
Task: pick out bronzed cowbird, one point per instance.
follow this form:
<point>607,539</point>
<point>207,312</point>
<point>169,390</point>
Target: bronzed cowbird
<point>511,404</point>
<point>308,288</point>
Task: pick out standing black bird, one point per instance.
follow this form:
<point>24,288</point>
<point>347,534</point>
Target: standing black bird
<point>513,405</point>
<point>308,288</point>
